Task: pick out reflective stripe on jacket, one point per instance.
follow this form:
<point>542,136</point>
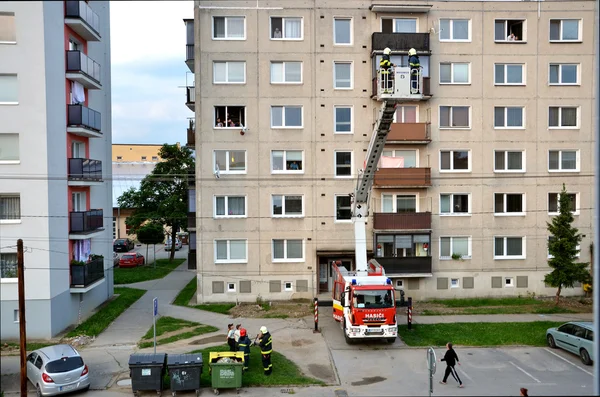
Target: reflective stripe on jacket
<point>266,344</point>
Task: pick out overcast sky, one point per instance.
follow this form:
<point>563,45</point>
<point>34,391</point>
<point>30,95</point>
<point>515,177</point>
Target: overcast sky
<point>148,69</point>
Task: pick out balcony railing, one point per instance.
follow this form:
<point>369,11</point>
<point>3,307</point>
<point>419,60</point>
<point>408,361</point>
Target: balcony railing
<point>190,96</point>
<point>82,222</point>
<point>82,10</point>
<point>426,88</point>
<point>77,61</point>
<point>189,52</point>
<point>409,133</point>
<point>87,274</point>
<point>85,169</point>
<point>402,221</point>
<point>191,220</point>
<point>81,116</point>
<point>191,133</point>
<point>400,41</point>
<point>402,177</point>
<point>406,265</point>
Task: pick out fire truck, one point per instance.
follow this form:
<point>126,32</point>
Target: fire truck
<point>363,300</point>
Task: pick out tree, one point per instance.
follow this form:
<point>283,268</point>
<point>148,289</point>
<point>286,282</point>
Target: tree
<point>151,233</point>
<point>563,247</point>
<point>163,194</point>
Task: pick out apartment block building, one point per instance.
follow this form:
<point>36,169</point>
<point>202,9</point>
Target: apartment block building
<point>285,104</point>
<point>55,143</point>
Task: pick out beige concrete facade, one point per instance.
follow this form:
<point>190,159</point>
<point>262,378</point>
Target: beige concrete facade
<point>324,238</point>
<point>129,152</point>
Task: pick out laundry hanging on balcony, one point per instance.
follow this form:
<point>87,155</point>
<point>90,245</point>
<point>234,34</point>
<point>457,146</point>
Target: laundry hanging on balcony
<point>77,93</point>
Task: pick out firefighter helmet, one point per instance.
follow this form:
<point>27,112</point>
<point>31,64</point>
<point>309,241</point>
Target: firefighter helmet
<point>387,51</point>
<point>263,329</point>
<point>412,52</point>
<point>242,331</point>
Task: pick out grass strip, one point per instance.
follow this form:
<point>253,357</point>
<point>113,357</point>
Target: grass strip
<point>201,330</point>
<point>30,345</point>
<point>146,272</point>
<point>188,292</point>
<point>476,302</point>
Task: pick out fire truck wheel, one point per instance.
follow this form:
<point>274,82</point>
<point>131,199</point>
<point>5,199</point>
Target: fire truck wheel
<point>391,340</point>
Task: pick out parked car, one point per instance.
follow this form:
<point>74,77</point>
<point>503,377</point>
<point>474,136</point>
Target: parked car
<point>133,259</point>
<point>123,244</point>
<point>116,259</point>
<point>56,370</point>
<point>169,242</point>
<point>575,337</point>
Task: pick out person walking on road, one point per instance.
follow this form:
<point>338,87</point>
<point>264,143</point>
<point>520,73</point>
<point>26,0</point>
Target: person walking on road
<point>231,338</point>
<point>244,346</point>
<point>266,348</point>
<point>451,359</point>
<point>524,392</point>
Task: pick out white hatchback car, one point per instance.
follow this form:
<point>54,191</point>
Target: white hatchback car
<point>168,243</point>
<point>56,370</point>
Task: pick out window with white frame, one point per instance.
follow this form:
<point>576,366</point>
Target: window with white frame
<point>9,148</point>
<point>509,204</point>
<point>342,31</point>
<point>286,116</point>
<point>8,32</point>
<point>288,250</point>
<point>563,74</point>
<point>229,72</point>
<point>8,265</point>
<point>455,204</point>
<point>509,282</point>
<point>400,283</point>
<point>286,28</point>
<point>287,72</point>
<point>455,30</point>
<point>230,116</point>
<point>551,239</point>
<point>9,89</point>
<point>342,75</point>
<point>229,28</point>
<point>343,119</point>
<point>288,286</point>
<point>455,73</point>
<point>509,161</point>
<point>407,158</point>
<point>454,283</point>
<point>287,161</point>
<point>563,160</point>
<point>399,203</point>
<point>406,114</point>
<point>399,25</point>
<point>563,116</point>
<point>230,206</point>
<point>455,246</point>
<point>510,30</point>
<point>284,206</point>
<point>554,203</point>
<point>343,208</point>
<point>455,160</point>
<point>343,164</point>
<point>565,30</point>
<point>230,161</point>
<point>10,208</point>
<point>230,287</point>
<point>509,117</point>
<point>509,74</point>
<point>231,251</point>
<point>509,247</point>
<point>455,117</point>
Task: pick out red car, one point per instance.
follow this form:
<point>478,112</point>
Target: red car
<point>133,259</point>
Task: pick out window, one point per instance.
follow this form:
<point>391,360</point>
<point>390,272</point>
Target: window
<point>119,157</point>
<point>398,25</point>
<point>509,74</point>
<point>551,240</point>
<point>455,160</point>
<point>343,208</point>
<point>510,30</point>
<point>406,114</point>
<point>231,251</point>
<point>554,204</point>
<point>10,208</point>
<point>343,164</point>
<point>229,28</point>
<point>454,283</point>
<point>9,89</point>
<point>230,161</point>
<point>400,284</point>
<point>455,204</point>
<point>455,30</point>
<point>398,203</point>
<point>565,30</point>
<point>8,264</point>
<point>455,73</point>
<point>563,160</point>
<point>230,206</point>
<point>288,250</point>
<point>143,158</point>
<point>402,245</point>
<point>230,116</point>
<point>509,282</point>
<point>564,74</point>
<point>9,148</point>
<point>229,72</point>
<point>455,117</point>
<point>8,31</point>
<point>402,159</point>
<point>288,286</point>
<point>562,117</point>
<point>287,161</point>
<point>286,28</point>
<point>509,204</point>
<point>154,158</point>
<point>509,161</point>
<point>191,200</point>
<point>453,246</point>
<point>509,117</point>
<point>286,116</point>
<point>287,205</point>
<point>230,287</point>
<point>342,31</point>
<point>342,75</point>
<point>286,72</point>
<point>343,119</point>
<point>509,247</point>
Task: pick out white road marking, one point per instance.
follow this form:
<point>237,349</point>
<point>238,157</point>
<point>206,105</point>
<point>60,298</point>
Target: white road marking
<point>462,371</point>
<point>525,372</point>
<point>564,359</point>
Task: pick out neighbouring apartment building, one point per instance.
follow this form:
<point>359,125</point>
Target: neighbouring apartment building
<point>55,143</point>
<point>286,109</point>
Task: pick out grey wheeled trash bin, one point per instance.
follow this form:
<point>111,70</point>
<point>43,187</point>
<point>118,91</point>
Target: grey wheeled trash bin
<point>185,371</point>
<point>147,371</point>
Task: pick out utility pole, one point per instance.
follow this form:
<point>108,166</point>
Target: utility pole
<point>22,336</point>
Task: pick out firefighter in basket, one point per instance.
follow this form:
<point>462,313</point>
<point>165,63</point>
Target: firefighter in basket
<point>385,67</point>
<point>244,346</point>
<point>265,342</point>
<point>415,70</point>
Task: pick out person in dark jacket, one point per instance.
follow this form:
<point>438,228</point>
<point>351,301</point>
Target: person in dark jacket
<point>231,337</point>
<point>451,359</point>
<point>244,346</point>
<point>385,65</point>
<point>266,348</point>
<point>415,69</point>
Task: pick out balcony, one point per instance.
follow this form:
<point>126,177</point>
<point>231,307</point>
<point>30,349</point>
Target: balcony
<point>426,94</point>
<point>84,121</point>
<point>80,17</point>
<point>85,172</point>
<point>85,224</point>
<point>191,134</point>
<point>190,101</point>
<point>192,259</point>
<point>189,47</point>
<point>83,69</point>
<point>402,221</point>
<point>412,266</point>
<point>85,275</point>
<point>189,56</point>
<point>191,220</point>
<point>409,133</point>
<point>402,177</point>
<point>401,42</point>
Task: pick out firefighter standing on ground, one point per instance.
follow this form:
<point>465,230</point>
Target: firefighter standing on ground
<point>265,342</point>
<point>244,346</point>
<point>384,65</point>
<point>415,66</point>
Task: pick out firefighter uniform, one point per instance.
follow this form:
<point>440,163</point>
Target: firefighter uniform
<point>384,66</point>
<point>415,65</point>
<point>266,348</point>
<point>244,346</point>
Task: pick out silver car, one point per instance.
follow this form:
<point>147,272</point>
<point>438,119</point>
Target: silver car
<point>575,337</point>
<point>56,370</point>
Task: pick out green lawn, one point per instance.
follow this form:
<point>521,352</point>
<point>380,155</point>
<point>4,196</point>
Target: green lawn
<point>477,334</point>
<point>98,322</point>
<point>146,272</point>
<point>170,324</point>
<point>476,302</point>
<point>30,345</point>
<point>188,292</point>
